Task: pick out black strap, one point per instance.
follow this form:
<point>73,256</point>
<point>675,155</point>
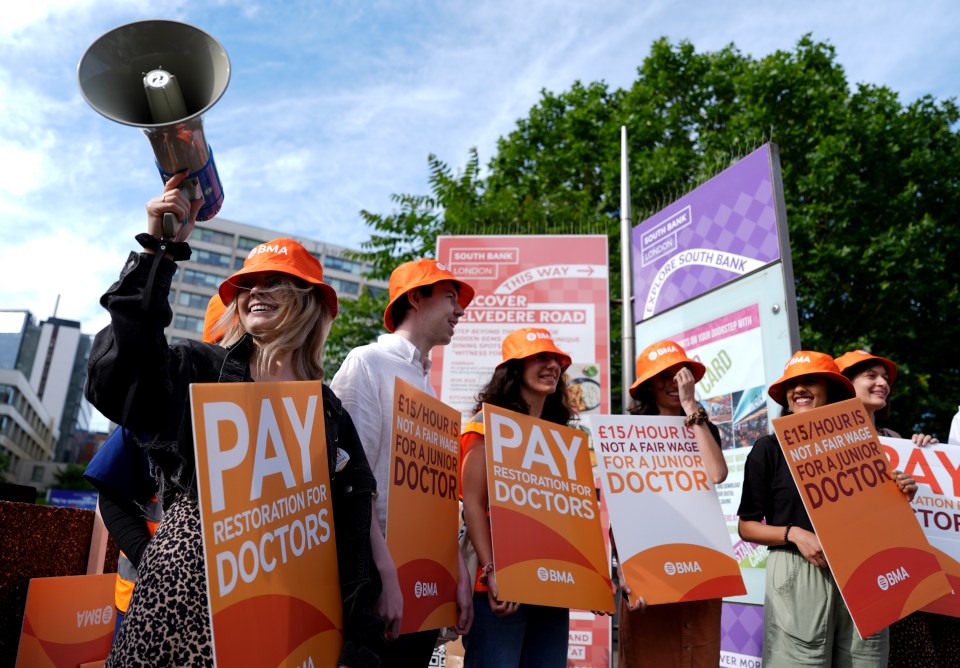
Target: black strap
<point>331,423</point>
<point>180,250</point>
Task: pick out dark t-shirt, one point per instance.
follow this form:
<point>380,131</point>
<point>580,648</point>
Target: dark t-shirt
<point>769,492</point>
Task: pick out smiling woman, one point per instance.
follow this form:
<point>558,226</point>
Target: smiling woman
<point>805,620</point>
<point>505,634</point>
<point>922,638</point>
<point>276,319</point>
<point>686,633</point>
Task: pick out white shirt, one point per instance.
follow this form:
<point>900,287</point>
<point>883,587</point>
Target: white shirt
<point>365,384</point>
<point>955,430</point>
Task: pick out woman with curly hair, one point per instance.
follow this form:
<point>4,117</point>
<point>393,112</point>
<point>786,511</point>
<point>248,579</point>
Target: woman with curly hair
<point>506,634</point>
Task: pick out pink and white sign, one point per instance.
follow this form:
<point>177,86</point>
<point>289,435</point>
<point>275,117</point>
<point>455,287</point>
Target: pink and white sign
<point>559,283</point>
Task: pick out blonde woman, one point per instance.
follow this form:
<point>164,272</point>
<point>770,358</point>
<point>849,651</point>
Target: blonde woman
<point>277,316</point>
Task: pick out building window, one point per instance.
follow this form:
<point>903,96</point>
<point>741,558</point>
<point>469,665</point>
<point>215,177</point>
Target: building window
<point>238,262</point>
<point>189,322</point>
<point>343,264</point>
<point>214,237</point>
<point>344,287</point>
<point>201,278</point>
<point>192,300</point>
<point>37,474</point>
<point>211,258</point>
<point>246,243</point>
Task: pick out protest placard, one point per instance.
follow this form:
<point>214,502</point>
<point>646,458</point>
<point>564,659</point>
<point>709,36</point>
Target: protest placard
<point>651,467</point>
<point>875,548</point>
<point>936,469</point>
<point>547,542</point>
<point>67,621</point>
<point>267,520</point>
<point>425,465</point>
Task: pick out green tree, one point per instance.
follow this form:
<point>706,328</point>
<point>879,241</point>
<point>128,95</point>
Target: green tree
<point>359,322</point>
<point>872,189</point>
<point>71,477</point>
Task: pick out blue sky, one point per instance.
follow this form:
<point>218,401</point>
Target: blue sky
<point>334,106</point>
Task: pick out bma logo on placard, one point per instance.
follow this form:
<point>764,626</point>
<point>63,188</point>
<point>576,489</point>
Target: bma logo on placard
<point>552,575</point>
<point>681,567</point>
<point>892,578</point>
<point>424,589</point>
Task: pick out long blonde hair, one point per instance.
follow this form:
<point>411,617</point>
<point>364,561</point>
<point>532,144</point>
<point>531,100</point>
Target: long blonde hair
<point>302,329</point>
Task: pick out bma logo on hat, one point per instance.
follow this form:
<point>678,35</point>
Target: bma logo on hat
<point>441,266</point>
<point>654,354</point>
<point>276,249</point>
<point>799,359</point>
<point>533,336</point>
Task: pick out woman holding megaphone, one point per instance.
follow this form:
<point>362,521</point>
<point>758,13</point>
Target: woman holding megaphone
<point>278,311</point>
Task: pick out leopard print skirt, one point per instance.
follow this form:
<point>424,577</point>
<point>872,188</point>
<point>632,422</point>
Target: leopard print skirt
<point>168,623</point>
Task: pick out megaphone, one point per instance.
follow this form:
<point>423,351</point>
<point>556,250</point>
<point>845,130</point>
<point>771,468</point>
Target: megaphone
<point>161,76</point>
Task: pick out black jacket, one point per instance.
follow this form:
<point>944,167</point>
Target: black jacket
<point>136,379</point>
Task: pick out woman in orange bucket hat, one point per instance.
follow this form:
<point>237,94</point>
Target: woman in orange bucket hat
<point>872,377</point>
<point>277,313</point>
<point>805,619</point>
<point>528,380</point>
<point>688,633</point>
<point>921,638</point>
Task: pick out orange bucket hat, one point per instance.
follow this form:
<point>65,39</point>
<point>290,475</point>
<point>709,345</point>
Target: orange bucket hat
<point>660,356</point>
<point>854,357</point>
<point>215,309</point>
<point>284,256</point>
<point>531,341</point>
<point>810,363</point>
<point>417,274</point>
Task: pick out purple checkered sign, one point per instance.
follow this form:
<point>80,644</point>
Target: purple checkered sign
<point>713,235</point>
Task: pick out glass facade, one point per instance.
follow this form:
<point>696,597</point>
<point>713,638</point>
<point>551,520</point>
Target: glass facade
<point>189,322</point>
<point>342,264</point>
<point>192,300</point>
<point>214,237</point>
<point>195,277</point>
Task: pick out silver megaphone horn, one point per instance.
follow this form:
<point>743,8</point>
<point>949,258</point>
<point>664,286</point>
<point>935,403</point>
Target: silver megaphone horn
<point>161,76</point>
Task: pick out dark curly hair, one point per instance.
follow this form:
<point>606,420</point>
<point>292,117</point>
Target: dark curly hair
<point>503,391</point>
<point>643,402</point>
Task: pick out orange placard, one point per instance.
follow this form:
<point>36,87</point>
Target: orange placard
<point>936,468</point>
<point>544,517</point>
<point>652,468</point>
<point>67,621</point>
<point>267,520</point>
<point>875,548</point>
<point>422,507</point>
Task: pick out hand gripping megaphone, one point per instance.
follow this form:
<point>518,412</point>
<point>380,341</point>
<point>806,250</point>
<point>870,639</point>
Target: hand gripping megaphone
<point>161,76</point>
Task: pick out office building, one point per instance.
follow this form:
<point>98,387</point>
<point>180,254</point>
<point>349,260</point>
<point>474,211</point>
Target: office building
<point>28,430</point>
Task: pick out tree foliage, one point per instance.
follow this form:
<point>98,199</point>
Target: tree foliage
<point>872,188</point>
<point>71,477</point>
<point>359,322</point>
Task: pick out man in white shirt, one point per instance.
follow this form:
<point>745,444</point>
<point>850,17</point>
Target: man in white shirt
<point>426,302</point>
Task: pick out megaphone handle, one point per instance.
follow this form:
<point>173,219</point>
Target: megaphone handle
<point>170,223</point>
<point>191,188</point>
